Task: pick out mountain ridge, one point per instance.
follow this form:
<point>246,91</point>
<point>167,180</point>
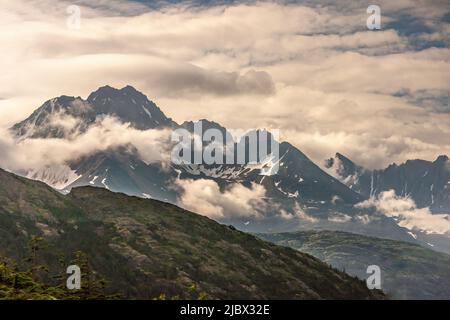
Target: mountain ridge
<point>145,248</point>
<point>427,182</point>
<point>127,104</point>
<point>300,195</point>
<point>405,267</point>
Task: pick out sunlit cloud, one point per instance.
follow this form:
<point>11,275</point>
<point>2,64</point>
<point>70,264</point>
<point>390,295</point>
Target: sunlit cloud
<point>406,212</point>
<point>315,72</point>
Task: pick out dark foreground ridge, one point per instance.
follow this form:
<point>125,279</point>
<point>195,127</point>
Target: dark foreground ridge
<point>146,249</point>
<point>409,271</point>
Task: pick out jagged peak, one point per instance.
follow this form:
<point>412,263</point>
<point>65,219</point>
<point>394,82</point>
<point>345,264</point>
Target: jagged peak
<point>110,91</point>
<point>441,158</point>
<point>127,104</point>
<point>349,164</point>
<point>104,91</point>
<point>63,101</point>
<point>130,89</point>
<point>126,94</point>
<point>206,124</point>
<point>341,157</point>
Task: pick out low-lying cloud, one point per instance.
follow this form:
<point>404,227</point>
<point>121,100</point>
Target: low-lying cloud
<point>297,213</point>
<point>204,196</point>
<point>106,133</point>
<point>406,212</point>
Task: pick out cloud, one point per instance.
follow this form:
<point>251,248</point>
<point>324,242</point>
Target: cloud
<point>190,81</point>
<point>364,218</point>
<point>297,212</point>
<point>338,217</point>
<point>106,133</point>
<point>322,123</point>
<point>63,122</point>
<point>405,211</point>
<point>204,196</point>
<point>312,70</point>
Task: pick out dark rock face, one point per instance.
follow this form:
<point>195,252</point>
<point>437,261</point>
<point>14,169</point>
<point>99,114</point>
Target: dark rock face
<point>127,105</point>
<point>426,182</point>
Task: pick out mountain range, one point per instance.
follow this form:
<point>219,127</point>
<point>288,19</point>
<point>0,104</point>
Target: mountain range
<point>116,205</point>
<point>301,196</point>
<point>427,182</point>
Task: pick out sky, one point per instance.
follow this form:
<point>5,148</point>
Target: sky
<point>311,69</point>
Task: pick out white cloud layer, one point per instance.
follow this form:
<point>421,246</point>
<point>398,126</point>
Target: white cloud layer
<point>315,72</point>
<point>106,133</point>
<point>406,212</point>
<point>205,197</point>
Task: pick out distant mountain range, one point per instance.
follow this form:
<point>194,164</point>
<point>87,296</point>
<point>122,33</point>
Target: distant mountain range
<point>408,271</point>
<point>428,183</point>
<point>146,249</point>
<point>302,195</point>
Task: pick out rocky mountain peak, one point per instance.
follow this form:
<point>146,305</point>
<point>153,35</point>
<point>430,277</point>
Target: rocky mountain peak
<point>441,159</point>
<point>127,104</point>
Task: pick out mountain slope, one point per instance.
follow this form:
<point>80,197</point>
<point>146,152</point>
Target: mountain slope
<point>121,170</point>
<point>299,180</point>
<point>129,105</point>
<point>145,248</point>
<point>427,182</point>
<point>64,116</point>
<point>299,196</point>
<point>408,271</point>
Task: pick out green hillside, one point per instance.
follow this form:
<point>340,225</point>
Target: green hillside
<point>408,271</point>
<point>145,249</point>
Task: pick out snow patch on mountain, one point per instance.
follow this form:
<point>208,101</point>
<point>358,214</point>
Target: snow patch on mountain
<point>412,234</point>
<point>267,167</point>
<point>93,180</point>
<point>287,193</point>
<point>104,183</point>
<point>147,112</point>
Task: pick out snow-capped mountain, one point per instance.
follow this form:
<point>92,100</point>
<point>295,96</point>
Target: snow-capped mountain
<point>426,182</point>
<point>64,116</point>
<point>299,196</point>
<point>122,171</point>
<point>298,179</point>
<point>129,105</point>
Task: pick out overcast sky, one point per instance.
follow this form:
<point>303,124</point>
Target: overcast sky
<point>312,70</point>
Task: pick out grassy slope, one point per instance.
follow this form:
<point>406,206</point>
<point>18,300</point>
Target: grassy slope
<point>408,271</point>
<point>144,248</point>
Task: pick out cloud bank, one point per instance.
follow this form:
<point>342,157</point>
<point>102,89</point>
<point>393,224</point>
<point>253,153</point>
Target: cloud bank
<point>205,197</point>
<point>105,134</point>
<point>311,69</point>
<point>405,211</point>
